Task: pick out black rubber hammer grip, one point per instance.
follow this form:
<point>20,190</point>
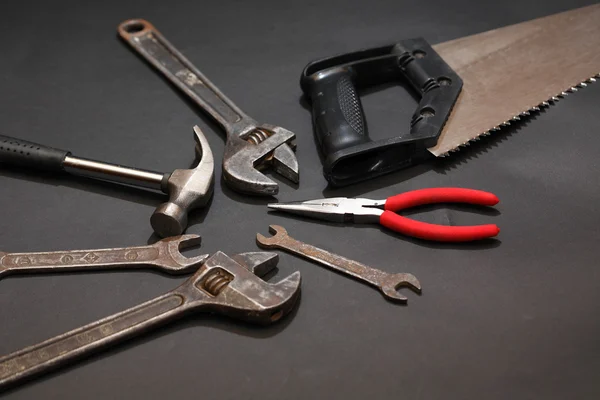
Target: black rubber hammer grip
<point>27,154</point>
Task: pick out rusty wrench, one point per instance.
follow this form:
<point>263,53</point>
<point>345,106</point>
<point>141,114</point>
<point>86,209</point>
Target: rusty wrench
<point>163,255</point>
<point>386,282</point>
<point>249,145</point>
<point>224,285</point>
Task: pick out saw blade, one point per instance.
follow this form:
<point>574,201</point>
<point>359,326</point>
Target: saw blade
<point>511,72</point>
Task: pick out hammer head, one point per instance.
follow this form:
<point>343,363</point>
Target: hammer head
<point>187,189</point>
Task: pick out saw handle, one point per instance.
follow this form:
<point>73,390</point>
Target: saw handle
<point>338,117</point>
<point>19,152</point>
<point>333,84</point>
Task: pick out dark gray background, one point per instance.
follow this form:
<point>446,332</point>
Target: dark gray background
<point>513,318</point>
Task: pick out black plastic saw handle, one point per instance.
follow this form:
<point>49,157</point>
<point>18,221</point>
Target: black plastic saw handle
<point>340,126</point>
<point>19,152</point>
<point>338,116</point>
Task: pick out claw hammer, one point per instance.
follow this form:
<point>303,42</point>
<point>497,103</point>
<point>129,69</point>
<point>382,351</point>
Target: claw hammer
<point>187,188</point>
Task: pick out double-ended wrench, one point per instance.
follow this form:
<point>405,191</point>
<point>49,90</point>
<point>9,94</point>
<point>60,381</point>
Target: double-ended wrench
<point>164,255</point>
<point>250,146</point>
<point>387,283</point>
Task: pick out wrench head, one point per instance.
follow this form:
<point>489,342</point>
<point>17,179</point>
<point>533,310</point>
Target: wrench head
<point>260,148</point>
<point>227,287</point>
<point>272,242</point>
<point>393,282</point>
<point>187,189</point>
<point>169,251</point>
<point>260,263</point>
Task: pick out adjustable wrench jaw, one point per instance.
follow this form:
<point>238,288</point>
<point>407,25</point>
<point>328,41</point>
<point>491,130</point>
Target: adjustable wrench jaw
<point>251,149</point>
<point>225,286</point>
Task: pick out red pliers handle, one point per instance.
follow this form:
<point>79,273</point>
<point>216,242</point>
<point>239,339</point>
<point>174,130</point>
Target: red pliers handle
<point>440,233</point>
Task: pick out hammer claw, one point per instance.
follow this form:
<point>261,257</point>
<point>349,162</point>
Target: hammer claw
<point>188,189</point>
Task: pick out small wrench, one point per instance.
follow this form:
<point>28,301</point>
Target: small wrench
<point>250,146</point>
<point>163,255</point>
<point>224,285</point>
<point>387,283</point>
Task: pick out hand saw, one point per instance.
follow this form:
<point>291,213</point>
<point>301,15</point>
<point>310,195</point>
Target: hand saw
<point>469,87</point>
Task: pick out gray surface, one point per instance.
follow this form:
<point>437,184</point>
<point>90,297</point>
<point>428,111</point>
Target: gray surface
<point>514,318</point>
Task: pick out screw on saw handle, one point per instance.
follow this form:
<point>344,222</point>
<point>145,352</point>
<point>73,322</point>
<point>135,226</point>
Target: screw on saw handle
<point>338,116</point>
<point>19,152</point>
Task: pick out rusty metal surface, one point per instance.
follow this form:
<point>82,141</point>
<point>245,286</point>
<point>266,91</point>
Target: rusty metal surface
<point>163,255</point>
<point>250,146</point>
<point>387,283</point>
<point>224,285</point>
<point>511,72</point>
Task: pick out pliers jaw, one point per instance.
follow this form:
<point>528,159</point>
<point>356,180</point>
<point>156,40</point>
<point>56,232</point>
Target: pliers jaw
<point>335,209</point>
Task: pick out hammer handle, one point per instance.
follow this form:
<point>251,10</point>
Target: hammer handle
<point>19,152</point>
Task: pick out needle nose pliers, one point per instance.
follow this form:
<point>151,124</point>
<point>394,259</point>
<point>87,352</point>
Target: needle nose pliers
<point>343,209</point>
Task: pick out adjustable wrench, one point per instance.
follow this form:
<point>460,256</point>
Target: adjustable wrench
<point>387,283</point>
<point>224,285</point>
<point>249,145</point>
<point>163,255</point>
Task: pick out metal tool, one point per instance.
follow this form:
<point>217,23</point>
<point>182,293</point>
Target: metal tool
<point>187,188</point>
<point>343,209</point>
<point>387,283</point>
<point>164,255</point>
<point>505,75</point>
<point>250,145</point>
<point>223,285</point>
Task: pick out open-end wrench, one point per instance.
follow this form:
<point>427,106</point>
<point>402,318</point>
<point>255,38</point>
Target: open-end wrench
<point>250,145</point>
<point>224,285</point>
<point>386,282</point>
<point>164,255</point>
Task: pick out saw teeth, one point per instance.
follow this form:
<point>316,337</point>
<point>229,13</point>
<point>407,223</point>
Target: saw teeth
<point>526,113</point>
